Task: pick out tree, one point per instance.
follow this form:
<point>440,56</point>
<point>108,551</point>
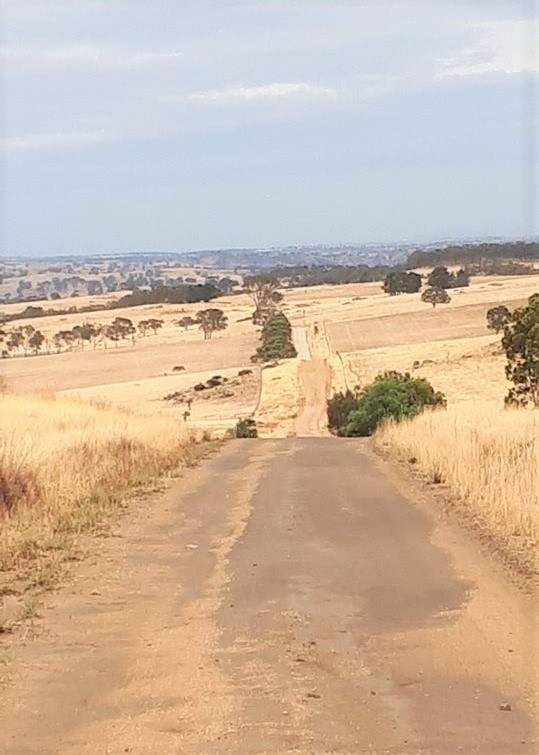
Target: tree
<point>64,338</point>
<point>442,278</point>
<point>265,294</point>
<point>498,318</point>
<point>402,283</point>
<point>226,285</point>
<point>435,296</point>
<point>124,328</point>
<point>111,333</point>
<point>85,333</point>
<point>521,345</point>
<point>143,327</point>
<point>36,341</point>
<point>154,325</point>
<point>392,395</point>
<point>186,322</point>
<point>211,320</point>
<point>15,340</point>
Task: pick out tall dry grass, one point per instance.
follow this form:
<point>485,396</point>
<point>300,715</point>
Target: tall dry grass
<point>488,456</point>
<point>65,464</point>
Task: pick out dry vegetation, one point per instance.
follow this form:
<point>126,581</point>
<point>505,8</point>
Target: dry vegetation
<point>488,457</point>
<point>359,330</point>
<point>490,460</point>
<point>64,466</point>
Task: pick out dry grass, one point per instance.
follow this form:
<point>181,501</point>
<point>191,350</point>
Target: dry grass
<point>488,457</point>
<point>65,465</point>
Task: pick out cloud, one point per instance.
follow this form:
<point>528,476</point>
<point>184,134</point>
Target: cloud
<point>90,55</point>
<point>503,47</point>
<point>267,91</point>
<point>51,140</point>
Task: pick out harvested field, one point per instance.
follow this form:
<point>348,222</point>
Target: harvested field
<point>439,324</point>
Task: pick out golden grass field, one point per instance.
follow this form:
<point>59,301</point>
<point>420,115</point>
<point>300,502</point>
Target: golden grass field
<point>489,458</point>
<point>65,464</point>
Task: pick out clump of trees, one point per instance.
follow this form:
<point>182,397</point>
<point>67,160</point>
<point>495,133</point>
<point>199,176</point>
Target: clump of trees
<point>442,278</point>
<point>331,275</point>
<point>392,395</point>
<point>210,321</point>
<point>521,345</point>
<point>30,341</point>
<point>276,339</point>
<point>479,254</point>
<point>402,283</point>
<point>434,295</point>
<point>182,294</point>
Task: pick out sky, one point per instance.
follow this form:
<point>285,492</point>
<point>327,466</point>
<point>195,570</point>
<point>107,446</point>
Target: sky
<point>133,125</point>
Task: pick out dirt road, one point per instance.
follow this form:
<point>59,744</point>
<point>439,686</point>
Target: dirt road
<point>283,598</point>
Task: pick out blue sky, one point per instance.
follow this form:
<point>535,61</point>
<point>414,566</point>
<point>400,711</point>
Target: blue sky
<point>188,124</point>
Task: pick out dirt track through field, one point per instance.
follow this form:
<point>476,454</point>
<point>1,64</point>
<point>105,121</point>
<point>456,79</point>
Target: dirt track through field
<point>283,598</point>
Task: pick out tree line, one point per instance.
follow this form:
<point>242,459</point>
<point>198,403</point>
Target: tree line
<point>29,341</point>
<point>474,254</point>
<point>184,294</point>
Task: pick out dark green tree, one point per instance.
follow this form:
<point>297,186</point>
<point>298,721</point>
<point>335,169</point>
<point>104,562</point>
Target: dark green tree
<point>246,428</point>
<point>498,318</point>
<point>442,278</point>
<point>276,339</point>
<point>521,345</point>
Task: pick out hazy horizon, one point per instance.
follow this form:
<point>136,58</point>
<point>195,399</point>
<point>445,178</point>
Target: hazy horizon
<point>132,128</point>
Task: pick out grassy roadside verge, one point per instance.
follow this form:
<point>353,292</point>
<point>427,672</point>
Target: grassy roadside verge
<point>66,468</point>
<point>486,460</point>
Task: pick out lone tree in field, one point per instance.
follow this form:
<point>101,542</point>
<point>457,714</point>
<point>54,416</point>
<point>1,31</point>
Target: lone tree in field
<point>211,320</point>
<point>435,296</point>
<point>521,345</point>
<point>265,294</point>
<point>186,322</point>
<point>498,318</point>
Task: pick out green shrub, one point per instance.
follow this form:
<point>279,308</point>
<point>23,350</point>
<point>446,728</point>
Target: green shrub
<point>392,395</point>
<point>246,428</point>
<point>339,408</point>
